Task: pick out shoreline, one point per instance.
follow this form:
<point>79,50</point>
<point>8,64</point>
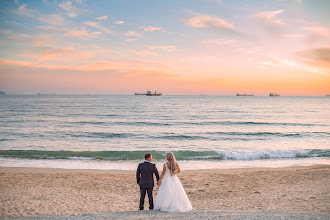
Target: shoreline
<point>26,170</point>
<point>61,192</point>
<point>130,165</point>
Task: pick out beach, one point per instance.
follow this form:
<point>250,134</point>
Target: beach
<point>65,192</point>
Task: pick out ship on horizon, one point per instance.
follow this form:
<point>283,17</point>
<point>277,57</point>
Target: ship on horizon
<point>274,94</point>
<point>149,93</point>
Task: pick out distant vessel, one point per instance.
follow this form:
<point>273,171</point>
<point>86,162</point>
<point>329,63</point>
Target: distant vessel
<point>148,93</point>
<point>274,94</point>
<point>238,94</point>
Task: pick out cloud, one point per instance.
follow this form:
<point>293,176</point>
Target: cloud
<point>102,18</point>
<point>22,10</point>
<point>206,21</point>
<point>35,15</point>
<point>57,53</point>
<point>271,61</point>
<point>22,7</point>
<point>317,33</point>
<point>92,66</point>
<point>133,34</point>
<point>151,28</point>
<point>53,19</point>
<point>72,15</point>
<point>167,48</point>
<point>44,40</point>
<point>11,35</point>
<point>98,26</point>
<point>270,17</point>
<point>131,40</point>
<point>67,6</point>
<point>119,22</point>
<point>269,20</point>
<point>71,10</point>
<point>80,32</point>
<point>319,57</point>
<point>219,42</point>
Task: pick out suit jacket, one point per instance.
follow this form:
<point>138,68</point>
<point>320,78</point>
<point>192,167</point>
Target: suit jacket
<point>145,174</point>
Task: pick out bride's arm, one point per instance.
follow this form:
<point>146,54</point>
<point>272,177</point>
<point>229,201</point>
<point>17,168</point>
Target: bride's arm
<point>178,170</point>
<point>162,175</point>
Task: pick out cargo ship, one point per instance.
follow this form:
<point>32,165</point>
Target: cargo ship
<point>273,94</point>
<point>149,93</point>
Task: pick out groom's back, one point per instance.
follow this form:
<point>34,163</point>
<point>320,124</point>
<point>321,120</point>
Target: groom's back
<point>145,173</point>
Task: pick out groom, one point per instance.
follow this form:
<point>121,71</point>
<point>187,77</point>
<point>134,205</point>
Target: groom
<point>145,179</point>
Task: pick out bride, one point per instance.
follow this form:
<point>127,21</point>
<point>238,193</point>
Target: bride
<point>171,196</point>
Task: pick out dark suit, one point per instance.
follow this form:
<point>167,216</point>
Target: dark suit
<point>145,178</point>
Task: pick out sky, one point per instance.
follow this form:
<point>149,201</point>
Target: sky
<point>186,47</point>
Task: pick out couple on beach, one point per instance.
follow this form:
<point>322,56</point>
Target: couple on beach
<point>171,196</point>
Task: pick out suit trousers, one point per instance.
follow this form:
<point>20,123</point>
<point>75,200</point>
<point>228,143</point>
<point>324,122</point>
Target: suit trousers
<point>143,192</point>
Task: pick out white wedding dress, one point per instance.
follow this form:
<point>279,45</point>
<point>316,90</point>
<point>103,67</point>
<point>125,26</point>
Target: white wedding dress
<point>171,196</point>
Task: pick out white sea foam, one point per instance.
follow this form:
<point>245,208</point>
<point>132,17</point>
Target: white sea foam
<point>272,154</point>
<point>185,165</point>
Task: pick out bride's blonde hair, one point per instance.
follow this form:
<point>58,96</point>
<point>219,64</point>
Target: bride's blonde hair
<point>173,165</point>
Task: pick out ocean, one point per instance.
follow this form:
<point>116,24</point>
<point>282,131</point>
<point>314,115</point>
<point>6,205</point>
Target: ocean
<point>203,132</point>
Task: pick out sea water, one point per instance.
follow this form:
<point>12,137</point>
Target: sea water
<point>204,132</point>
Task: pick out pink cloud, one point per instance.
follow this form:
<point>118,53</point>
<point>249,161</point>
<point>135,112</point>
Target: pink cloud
<point>98,26</point>
<point>151,28</point>
<point>317,33</point>
<point>319,57</point>
<point>102,18</point>
<point>69,53</point>
<point>270,21</point>
<point>131,40</point>
<point>80,32</point>
<point>206,21</point>
<point>133,34</point>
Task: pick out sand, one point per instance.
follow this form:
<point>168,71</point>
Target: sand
<point>61,192</point>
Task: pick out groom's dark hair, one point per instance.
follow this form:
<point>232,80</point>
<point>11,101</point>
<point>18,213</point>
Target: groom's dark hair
<point>146,156</point>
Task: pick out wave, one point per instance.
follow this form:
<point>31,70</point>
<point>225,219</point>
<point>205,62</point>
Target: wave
<point>160,155</point>
<point>253,123</point>
<point>175,123</point>
<point>99,135</point>
<point>224,135</point>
